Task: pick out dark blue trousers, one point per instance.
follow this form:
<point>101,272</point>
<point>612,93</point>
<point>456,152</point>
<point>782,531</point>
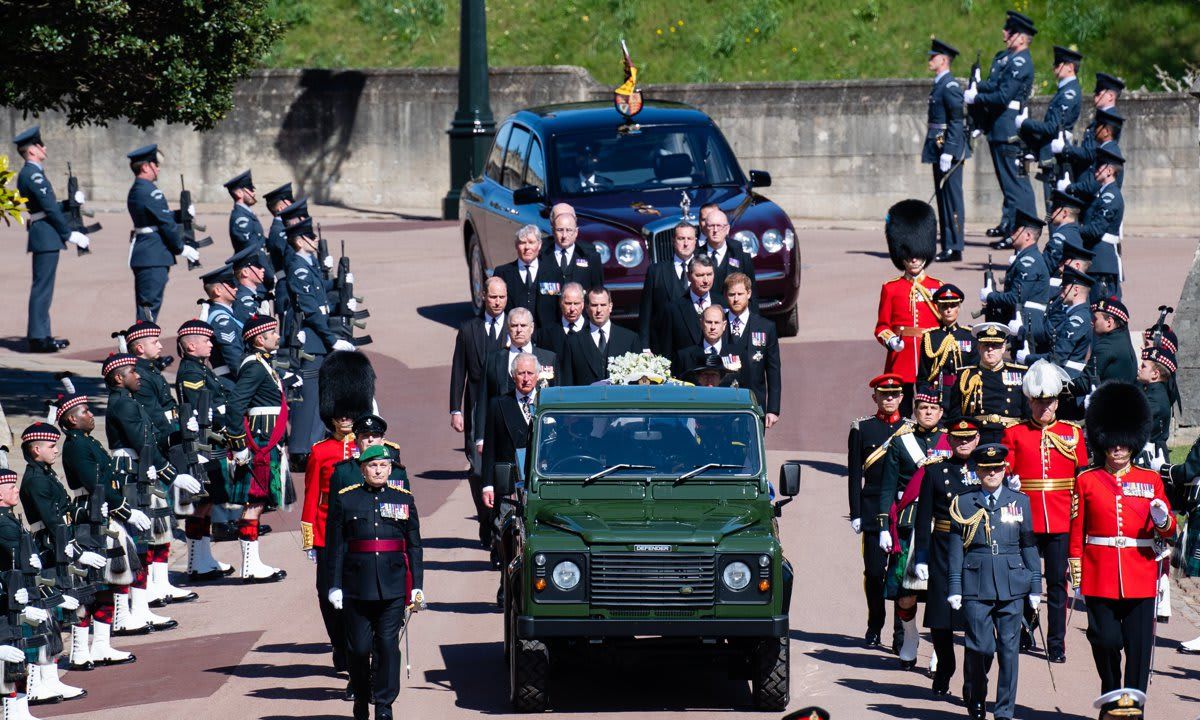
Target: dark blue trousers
<point>148,286</point>
<point>993,630</point>
<point>1014,184</point>
<point>951,211</point>
<point>41,294</point>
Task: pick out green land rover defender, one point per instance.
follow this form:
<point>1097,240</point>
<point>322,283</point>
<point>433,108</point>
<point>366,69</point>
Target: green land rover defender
<point>642,512</point>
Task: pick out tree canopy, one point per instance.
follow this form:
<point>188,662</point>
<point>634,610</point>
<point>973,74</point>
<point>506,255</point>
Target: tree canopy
<point>143,61</point>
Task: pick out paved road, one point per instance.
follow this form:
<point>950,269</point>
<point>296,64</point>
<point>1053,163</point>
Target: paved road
<point>258,651</point>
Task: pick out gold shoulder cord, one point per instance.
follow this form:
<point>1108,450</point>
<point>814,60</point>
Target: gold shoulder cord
<point>948,349</point>
<point>971,523</point>
<point>972,392</point>
<point>1066,447</point>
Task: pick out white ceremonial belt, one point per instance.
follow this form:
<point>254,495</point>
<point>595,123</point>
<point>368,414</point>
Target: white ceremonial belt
<point>1014,104</point>
<point>144,230</point>
<point>1056,282</point>
<point>1075,365</point>
<point>125,453</point>
<point>1111,239</point>
<point>263,411</point>
<point>279,275</point>
<point>1119,541</point>
<point>220,371</point>
<point>1036,305</point>
<point>938,126</point>
<point>34,217</point>
<point>1115,241</point>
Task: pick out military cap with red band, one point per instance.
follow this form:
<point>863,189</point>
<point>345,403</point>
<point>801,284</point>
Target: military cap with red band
<point>195,327</point>
<point>117,360</point>
<point>257,325</point>
<point>887,382</point>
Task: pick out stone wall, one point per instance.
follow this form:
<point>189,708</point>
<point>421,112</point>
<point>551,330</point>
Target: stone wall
<point>377,139</point>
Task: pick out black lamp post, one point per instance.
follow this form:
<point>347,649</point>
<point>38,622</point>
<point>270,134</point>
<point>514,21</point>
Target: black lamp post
<point>473,127</point>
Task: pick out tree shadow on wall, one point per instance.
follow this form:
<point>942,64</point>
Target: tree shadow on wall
<point>315,136</point>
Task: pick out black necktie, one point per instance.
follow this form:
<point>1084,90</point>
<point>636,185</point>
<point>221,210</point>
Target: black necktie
<point>603,343</point>
<point>991,502</point>
<point>712,350</point>
<point>562,262</point>
<point>529,280</point>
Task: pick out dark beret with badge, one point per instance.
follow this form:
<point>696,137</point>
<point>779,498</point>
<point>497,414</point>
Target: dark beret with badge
<point>1112,307</point>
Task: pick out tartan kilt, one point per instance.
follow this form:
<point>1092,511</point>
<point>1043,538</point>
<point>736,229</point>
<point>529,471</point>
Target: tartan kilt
<point>218,480</point>
<point>282,491</point>
<point>893,587</point>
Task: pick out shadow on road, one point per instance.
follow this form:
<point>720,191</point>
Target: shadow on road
<point>866,660</point>
<point>263,670</point>
<point>823,466</point>
<point>311,694</point>
<point>27,392</point>
<point>316,648</point>
<point>449,543</point>
<point>465,608</point>
<point>459,565</point>
<point>903,711</point>
<point>451,314</point>
<point>443,475</point>
<point>830,639</point>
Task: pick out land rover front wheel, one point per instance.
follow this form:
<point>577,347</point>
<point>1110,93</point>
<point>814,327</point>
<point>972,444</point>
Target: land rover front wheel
<point>769,682</point>
<point>528,673</point>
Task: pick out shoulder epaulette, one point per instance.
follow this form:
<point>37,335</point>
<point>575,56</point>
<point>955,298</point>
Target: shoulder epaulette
<point>854,424</point>
<point>1072,423</point>
<point>1015,365</point>
<point>347,489</point>
<point>398,486</point>
<point>391,444</point>
<point>904,429</point>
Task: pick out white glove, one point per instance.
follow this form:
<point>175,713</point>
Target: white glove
<point>192,210</point>
<point>335,598</point>
<point>35,614</point>
<point>955,601</point>
<point>417,599</point>
<point>1014,483</point>
<point>187,483</point>
<point>192,425</point>
<point>351,304</point>
<point>328,262</point>
<point>1022,116</point>
<point>92,560</point>
<point>79,239</point>
<point>1016,324</point>
<point>301,337</point>
<point>976,133</point>
<point>969,95</point>
<point>1159,513</point>
<point>350,278</point>
<point>922,571</point>
<point>856,525</point>
<point>1035,600</point>
<point>312,554</point>
<point>945,161</point>
<point>10,654</point>
<point>345,345</point>
<point>69,603</point>
<point>190,253</point>
<point>103,509</point>
<point>139,520</point>
<point>1022,356</point>
<point>885,541</point>
<point>21,596</point>
<point>242,457</point>
<point>1057,145</point>
<point>976,77</point>
<point>152,472</point>
<point>1064,183</point>
<point>35,561</point>
<point>984,292</point>
<point>896,343</point>
<point>1157,461</point>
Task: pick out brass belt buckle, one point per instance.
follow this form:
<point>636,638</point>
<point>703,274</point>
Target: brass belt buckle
<point>995,548</point>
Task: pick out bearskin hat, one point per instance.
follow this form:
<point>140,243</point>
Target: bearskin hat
<point>911,231</point>
<point>1118,414</point>
<point>347,385</point>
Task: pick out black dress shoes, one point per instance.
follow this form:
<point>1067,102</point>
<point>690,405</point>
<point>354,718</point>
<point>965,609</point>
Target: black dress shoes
<point>871,639</point>
<point>362,709</point>
<point>1001,244</point>
<point>349,695</point>
<point>1058,657</point>
<point>948,256</point>
<point>48,345</point>
<point>383,712</point>
<point>996,232</point>
<point>941,685</point>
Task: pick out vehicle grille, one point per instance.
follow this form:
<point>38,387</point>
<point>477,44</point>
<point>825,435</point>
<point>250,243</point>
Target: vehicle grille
<point>664,244</point>
<point>653,580</point>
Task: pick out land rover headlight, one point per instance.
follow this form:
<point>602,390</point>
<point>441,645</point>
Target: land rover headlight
<point>789,239</point>
<point>603,252</point>
<point>566,575</point>
<point>736,576</point>
<point>772,241</point>
<point>629,253</point>
<point>748,240</point>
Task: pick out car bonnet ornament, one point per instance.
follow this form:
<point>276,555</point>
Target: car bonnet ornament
<point>685,208</point>
<point>627,98</point>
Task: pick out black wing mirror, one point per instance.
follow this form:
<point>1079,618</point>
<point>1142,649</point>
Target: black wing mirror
<point>789,479</point>
<point>760,178</point>
<point>530,195</point>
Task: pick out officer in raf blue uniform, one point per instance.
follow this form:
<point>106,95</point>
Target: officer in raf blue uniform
<point>1083,155</point>
<point>228,347</point>
<point>1002,96</point>
<point>49,232</point>
<point>1106,135</point>
<point>244,228</point>
<point>946,148</point>
<point>250,274</point>
<point>1026,281</point>
<point>994,567</point>
<point>1061,115</point>
<point>276,201</point>
<point>1100,225</point>
<point>1064,335</point>
<point>373,543</point>
<point>156,239</point>
<point>310,315</point>
<point>1064,230</point>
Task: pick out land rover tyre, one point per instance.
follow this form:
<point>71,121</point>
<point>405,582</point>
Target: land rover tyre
<point>476,273</point>
<point>788,324</point>
<point>529,675</point>
<point>769,682</point>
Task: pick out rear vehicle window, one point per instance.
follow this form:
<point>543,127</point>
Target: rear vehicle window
<point>514,159</point>
<point>535,169</point>
<point>495,161</point>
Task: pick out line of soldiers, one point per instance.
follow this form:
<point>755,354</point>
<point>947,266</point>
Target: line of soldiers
<point>551,303</point>
<point>984,426</point>
<point>998,106</point>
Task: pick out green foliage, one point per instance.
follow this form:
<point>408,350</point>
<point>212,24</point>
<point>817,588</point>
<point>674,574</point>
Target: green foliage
<point>732,40</point>
<point>140,60</point>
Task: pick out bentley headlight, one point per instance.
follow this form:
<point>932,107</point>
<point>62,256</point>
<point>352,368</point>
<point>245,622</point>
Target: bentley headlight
<point>566,575</point>
<point>772,241</point>
<point>629,253</point>
<point>748,240</point>
<point>603,252</point>
<point>736,576</point>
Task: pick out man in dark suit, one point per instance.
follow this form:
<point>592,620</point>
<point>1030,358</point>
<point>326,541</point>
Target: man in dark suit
<point>665,281</point>
<point>497,369</point>
<point>529,280</point>
<point>476,338</point>
<point>568,260</point>
<point>569,320</point>
<point>756,341</point>
<point>587,354</point>
<point>728,257</point>
<point>715,342</point>
<point>682,316</point>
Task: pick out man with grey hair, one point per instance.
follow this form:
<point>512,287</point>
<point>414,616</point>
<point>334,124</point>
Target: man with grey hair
<point>497,373</point>
<point>529,280</point>
<point>566,259</point>
<point>570,320</point>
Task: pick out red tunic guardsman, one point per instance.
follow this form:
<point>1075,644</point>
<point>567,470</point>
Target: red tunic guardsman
<point>906,307</point>
<point>1045,454</point>
<point>1119,522</point>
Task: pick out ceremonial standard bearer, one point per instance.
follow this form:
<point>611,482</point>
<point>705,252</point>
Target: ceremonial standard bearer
<point>946,148</point>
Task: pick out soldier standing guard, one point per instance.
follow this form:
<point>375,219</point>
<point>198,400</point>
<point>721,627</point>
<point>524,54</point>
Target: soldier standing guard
<point>1120,520</point>
<point>906,307</point>
<point>991,392</point>
<point>1100,226</point>
<point>1064,337</point>
<point>245,230</point>
<point>949,347</point>
<point>1112,355</point>
<point>1026,281</point>
<point>258,415</point>
<point>999,100</point>
<point>992,571</point>
<point>1046,453</point>
<point>943,482</point>
<point>227,329</point>
<point>867,444</point>
<point>1061,115</point>
<point>277,245</point>
<point>156,238</point>
<point>947,148</point>
<point>49,233</point>
<point>375,572</point>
